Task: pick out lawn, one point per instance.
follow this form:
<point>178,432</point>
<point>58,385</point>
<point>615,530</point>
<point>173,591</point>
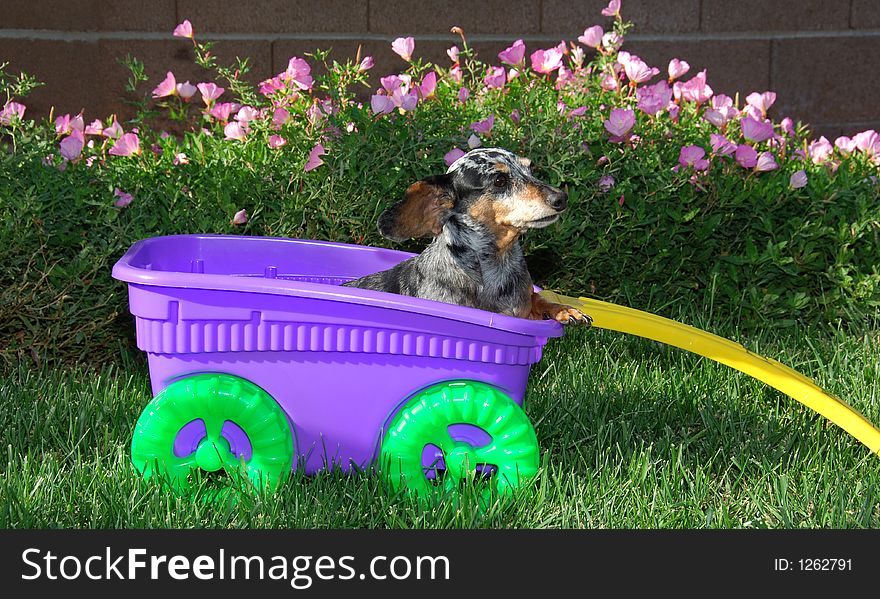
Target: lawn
<point>634,434</point>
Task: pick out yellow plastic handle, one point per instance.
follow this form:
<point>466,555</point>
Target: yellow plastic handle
<point>777,375</point>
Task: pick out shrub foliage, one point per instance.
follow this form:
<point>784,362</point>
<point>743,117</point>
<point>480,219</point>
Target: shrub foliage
<point>676,194</point>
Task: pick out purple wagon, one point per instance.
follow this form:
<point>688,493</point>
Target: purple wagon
<point>260,360</point>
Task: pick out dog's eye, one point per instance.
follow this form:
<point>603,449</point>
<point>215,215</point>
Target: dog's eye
<point>500,180</point>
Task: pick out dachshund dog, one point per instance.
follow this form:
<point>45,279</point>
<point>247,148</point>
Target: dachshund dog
<point>476,213</point>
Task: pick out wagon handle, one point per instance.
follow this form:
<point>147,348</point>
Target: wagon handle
<point>779,376</point>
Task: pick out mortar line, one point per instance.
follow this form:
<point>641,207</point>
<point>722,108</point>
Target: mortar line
<point>94,36</point>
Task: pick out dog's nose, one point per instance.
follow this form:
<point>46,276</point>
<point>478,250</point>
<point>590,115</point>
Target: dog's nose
<point>557,199</point>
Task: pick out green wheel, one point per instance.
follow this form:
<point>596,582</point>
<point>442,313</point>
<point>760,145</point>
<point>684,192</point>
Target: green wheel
<point>213,422</point>
<point>470,428</point>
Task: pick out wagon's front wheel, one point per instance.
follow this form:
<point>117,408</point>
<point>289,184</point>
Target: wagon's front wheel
<point>455,431</point>
<point>213,422</point>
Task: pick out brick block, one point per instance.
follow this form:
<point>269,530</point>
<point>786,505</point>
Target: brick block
<point>827,80</point>
<point>568,18</point>
<point>276,16</point>
<point>865,14</point>
<point>779,15</point>
<point>732,65</point>
<point>137,15</point>
<point>58,15</point>
<point>67,68</point>
<point>402,17</point>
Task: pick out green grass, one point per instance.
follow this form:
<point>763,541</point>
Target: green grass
<point>634,434</point>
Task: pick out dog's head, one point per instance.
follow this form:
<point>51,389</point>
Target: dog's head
<point>490,187</point>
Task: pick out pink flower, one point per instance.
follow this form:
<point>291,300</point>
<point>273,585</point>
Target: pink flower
<point>513,55</point>
<point>186,90</point>
<point>722,101</point>
<point>755,130</point>
<point>609,82</point>
<point>12,112</point>
<point>677,68</point>
<point>845,144</point>
<point>185,29</point>
<point>381,104</point>
<point>456,74</point>
<point>366,64</point>
<point>798,179</point>
<point>452,155</point>
<point>124,198</point>
<point>673,109</point>
<point>452,53</point>
<point>235,130</point>
<point>463,95</point>
<point>746,156</point>
<point>696,89</point>
<point>62,125</point>
<point>114,131</point>
<point>693,156</point>
<point>496,77</point>
<point>128,144</point>
<point>179,159</point>
<point>403,47</point>
<point>653,98</point>
<point>546,61</point>
<point>761,102</point>
<point>611,41</point>
<point>222,110</point>
<point>484,126</point>
<point>72,145</point>
<point>721,146</point>
<point>168,87</point>
<point>280,117</point>
<point>319,110</point>
<point>577,58</point>
<point>619,122</point>
<point>637,71</point>
<point>299,72</point>
<point>240,217</point>
<point>390,83</point>
<point>592,36</point>
<point>514,116</point>
<point>96,127</point>
<point>606,182</point>
<point>314,161</point>
<point>246,114</point>
<point>820,150</point>
<point>210,92</point>
<point>612,10</point>
<point>428,85</point>
<point>766,162</point>
<point>405,101</point>
<point>715,117</point>
<point>474,141</point>
<point>580,111</point>
<point>276,141</point>
<point>787,126</point>
<point>866,141</point>
<point>270,86</point>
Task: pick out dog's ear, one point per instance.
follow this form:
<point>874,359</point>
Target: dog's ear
<point>422,211</point>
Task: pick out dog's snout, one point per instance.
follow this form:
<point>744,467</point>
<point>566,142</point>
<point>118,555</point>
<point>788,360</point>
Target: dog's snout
<point>557,199</point>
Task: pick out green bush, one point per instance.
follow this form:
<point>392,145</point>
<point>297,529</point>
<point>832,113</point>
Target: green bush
<point>651,223</point>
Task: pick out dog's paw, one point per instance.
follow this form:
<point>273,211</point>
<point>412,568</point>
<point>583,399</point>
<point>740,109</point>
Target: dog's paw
<point>572,316</point>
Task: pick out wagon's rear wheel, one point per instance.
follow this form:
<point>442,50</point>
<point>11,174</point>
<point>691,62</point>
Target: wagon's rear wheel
<point>457,431</point>
<point>213,422</point>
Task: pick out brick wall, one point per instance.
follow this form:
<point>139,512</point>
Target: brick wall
<point>822,57</point>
